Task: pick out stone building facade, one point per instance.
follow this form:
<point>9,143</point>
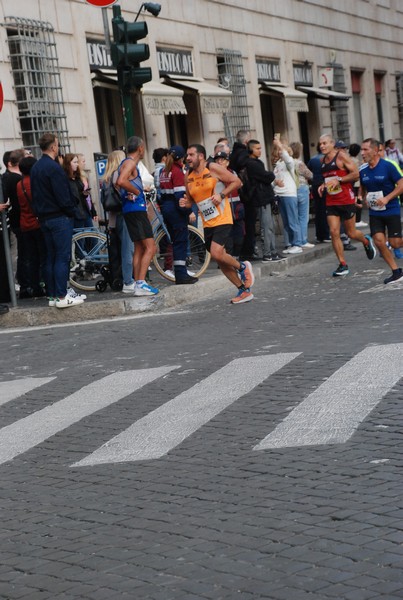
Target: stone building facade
<point>298,67</point>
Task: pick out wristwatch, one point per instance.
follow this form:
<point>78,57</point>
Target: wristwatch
<point>222,196</point>
<point>339,179</point>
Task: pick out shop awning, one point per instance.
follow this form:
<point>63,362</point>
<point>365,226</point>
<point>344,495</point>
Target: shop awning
<point>213,99</point>
<point>294,99</point>
<point>160,99</point>
<point>324,93</point>
<point>104,78</point>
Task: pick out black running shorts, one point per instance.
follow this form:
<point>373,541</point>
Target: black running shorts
<point>343,211</point>
<point>392,223</point>
<point>218,234</point>
<point>138,226</point>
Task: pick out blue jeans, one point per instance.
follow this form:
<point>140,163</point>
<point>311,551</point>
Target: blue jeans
<point>303,211</point>
<point>58,233</point>
<point>176,222</point>
<point>126,250</point>
<point>289,214</point>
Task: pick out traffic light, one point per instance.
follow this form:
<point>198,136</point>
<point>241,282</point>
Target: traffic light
<point>127,54</point>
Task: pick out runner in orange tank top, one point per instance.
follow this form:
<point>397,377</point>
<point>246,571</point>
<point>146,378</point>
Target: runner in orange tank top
<point>339,172</point>
<point>209,187</point>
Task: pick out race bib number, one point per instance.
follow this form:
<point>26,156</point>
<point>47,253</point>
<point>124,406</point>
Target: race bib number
<point>334,188</point>
<point>372,197</point>
<point>208,209</point>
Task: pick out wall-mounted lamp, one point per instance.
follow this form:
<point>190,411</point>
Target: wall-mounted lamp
<point>151,7</point>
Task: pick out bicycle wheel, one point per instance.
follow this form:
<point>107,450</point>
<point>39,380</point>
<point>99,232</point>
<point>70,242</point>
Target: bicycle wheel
<point>197,261</point>
<point>89,253</point>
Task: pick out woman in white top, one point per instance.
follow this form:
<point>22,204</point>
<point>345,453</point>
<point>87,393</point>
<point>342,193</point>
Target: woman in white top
<point>285,187</point>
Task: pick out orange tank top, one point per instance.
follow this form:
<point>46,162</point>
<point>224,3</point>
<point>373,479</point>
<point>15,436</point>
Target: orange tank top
<point>201,187</point>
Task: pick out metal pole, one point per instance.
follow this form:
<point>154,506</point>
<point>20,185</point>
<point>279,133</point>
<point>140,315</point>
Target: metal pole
<point>106,30</point>
<point>7,251</point>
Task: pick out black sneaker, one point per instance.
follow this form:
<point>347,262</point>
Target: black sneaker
<point>349,247</point>
<point>370,250</point>
<point>267,258</point>
<point>395,277</point>
<point>276,257</point>
<point>186,280</point>
<point>341,271</point>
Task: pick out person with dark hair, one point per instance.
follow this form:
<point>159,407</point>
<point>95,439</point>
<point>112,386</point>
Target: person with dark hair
<point>262,198</point>
<point>319,202</point>
<point>210,187</point>
<point>381,185</point>
<point>54,206</point>
<point>354,151</point>
<point>159,158</point>
<point>84,212</point>
<point>135,214</point>
<point>235,241</point>
<point>172,189</point>
<point>33,249</point>
<point>9,181</point>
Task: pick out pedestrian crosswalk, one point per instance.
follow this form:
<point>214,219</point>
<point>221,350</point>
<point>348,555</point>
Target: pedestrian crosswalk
<point>329,415</point>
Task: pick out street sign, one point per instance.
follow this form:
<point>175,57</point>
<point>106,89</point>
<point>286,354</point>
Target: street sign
<point>100,166</point>
<point>1,97</point>
<point>101,3</point>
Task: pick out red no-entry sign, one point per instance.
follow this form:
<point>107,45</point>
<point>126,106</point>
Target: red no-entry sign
<point>1,96</point>
<point>101,3</point>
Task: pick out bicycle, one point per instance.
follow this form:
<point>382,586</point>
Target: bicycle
<point>89,269</point>
<point>198,257</point>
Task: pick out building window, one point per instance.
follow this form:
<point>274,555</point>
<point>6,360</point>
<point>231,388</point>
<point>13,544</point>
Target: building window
<point>356,89</point>
<point>38,89</point>
<point>231,77</point>
<point>378,82</point>
<point>340,124</point>
<point>399,91</point>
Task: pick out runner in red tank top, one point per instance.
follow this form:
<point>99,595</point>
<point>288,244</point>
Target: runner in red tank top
<point>339,173</point>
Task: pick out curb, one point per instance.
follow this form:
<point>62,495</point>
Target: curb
<point>214,284</point>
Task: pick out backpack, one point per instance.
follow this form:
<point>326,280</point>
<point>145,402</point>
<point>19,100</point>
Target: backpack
<point>247,190</point>
<point>110,197</point>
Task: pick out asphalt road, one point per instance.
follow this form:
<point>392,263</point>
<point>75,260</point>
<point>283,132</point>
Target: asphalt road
<point>215,452</point>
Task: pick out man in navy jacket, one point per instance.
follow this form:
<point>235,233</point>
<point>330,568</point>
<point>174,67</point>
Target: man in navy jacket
<point>54,207</point>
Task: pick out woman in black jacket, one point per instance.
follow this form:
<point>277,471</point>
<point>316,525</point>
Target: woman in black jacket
<point>85,210</point>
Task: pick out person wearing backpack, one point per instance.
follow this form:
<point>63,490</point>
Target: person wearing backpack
<point>121,246</point>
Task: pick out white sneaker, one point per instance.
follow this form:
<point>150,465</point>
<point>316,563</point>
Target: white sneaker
<point>67,301</point>
<point>286,250</point>
<point>129,288</point>
<point>145,290</point>
<point>295,250</point>
<point>191,273</point>
<point>73,294</point>
<point>170,273</point>
<point>308,245</point>
<point>51,302</point>
<point>361,224</point>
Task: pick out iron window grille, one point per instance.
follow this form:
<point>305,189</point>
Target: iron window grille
<point>231,77</point>
<point>37,82</point>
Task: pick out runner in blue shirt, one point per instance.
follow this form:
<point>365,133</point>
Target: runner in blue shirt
<point>382,185</point>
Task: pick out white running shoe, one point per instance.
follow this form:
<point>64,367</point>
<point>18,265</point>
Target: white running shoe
<point>145,290</point>
<point>361,224</point>
<point>129,288</point>
<point>73,294</point>
<point>308,245</point>
<point>67,301</point>
<point>170,273</point>
<point>295,250</point>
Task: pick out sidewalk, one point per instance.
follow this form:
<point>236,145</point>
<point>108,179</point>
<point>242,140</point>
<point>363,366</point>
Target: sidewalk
<point>110,304</point>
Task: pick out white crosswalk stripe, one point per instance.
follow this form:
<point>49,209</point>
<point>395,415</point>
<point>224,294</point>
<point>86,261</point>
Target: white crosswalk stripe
<point>165,428</point>
<point>332,413</point>
<point>10,390</point>
<point>34,429</point>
